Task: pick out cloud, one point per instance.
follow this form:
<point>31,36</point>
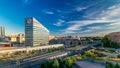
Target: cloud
<point>59,22</point>
<point>79,23</point>
<point>95,27</point>
<point>76,26</point>
<point>110,16</point>
<point>112,13</point>
<point>80,8</point>
<point>48,11</point>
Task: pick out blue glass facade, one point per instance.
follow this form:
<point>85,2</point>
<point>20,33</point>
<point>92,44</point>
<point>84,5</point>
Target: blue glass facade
<point>35,33</point>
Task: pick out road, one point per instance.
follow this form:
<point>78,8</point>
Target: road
<point>110,54</point>
<point>30,62</point>
<point>34,61</point>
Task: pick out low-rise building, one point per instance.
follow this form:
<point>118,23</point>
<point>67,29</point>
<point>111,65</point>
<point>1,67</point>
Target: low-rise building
<point>4,42</point>
<point>16,38</point>
<point>115,37</point>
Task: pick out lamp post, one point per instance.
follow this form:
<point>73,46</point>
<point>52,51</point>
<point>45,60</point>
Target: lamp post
<point>18,63</point>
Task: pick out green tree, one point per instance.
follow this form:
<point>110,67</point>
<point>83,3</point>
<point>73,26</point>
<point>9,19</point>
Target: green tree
<point>73,59</point>
<point>42,65</point>
<point>105,41</point>
<point>118,56</point>
<point>117,66</point>
<point>56,64</point>
<point>88,54</point>
<point>61,62</point>
<point>79,55</point>
<point>109,65</point>
<point>69,62</point>
<point>47,64</point>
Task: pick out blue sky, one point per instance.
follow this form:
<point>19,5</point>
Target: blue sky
<point>62,17</point>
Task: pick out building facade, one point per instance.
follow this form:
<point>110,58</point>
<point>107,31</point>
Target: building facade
<point>4,42</point>
<point>35,33</point>
<point>115,37</point>
<point>16,38</point>
<point>2,31</point>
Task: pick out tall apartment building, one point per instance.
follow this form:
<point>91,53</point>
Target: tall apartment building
<point>35,33</point>
<point>2,31</point>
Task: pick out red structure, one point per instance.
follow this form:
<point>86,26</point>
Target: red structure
<point>6,45</point>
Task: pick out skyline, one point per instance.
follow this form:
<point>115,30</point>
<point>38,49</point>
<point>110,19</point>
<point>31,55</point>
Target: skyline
<point>67,17</point>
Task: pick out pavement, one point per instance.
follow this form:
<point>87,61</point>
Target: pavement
<point>86,64</point>
<point>110,54</point>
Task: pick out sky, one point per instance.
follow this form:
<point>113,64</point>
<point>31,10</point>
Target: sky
<point>62,17</point>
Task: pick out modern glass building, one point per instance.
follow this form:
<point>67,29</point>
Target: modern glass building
<point>35,33</point>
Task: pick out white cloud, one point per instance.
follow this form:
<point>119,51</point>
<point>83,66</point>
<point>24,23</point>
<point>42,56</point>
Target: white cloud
<point>69,32</point>
<point>49,12</point>
<point>59,23</point>
<point>110,16</point>
<point>87,30</point>
<point>112,13</point>
<point>95,27</point>
<point>80,8</point>
<point>78,24</point>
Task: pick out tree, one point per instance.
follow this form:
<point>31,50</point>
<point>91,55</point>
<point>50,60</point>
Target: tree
<point>60,62</point>
<point>118,56</point>
<point>117,66</point>
<point>88,54</point>
<point>108,43</point>
<point>73,59</point>
<point>42,65</point>
<point>79,55</point>
<point>68,62</point>
<point>56,64</point>
<point>105,41</point>
<point>47,64</point>
<point>109,65</point>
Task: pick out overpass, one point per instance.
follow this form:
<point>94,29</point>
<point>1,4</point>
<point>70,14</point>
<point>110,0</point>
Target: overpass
<point>27,49</point>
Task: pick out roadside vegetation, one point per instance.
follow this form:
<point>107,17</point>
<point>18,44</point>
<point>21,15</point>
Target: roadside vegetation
<point>110,65</point>
<point>61,63</point>
<point>24,54</point>
<point>93,54</point>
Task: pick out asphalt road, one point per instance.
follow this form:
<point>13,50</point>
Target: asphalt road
<point>31,62</point>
